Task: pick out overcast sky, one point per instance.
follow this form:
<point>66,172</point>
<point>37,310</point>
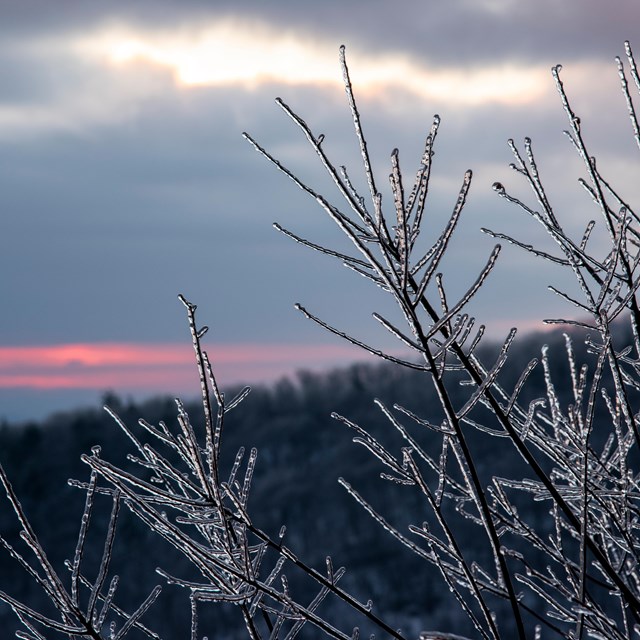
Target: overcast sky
<point>124,178</point>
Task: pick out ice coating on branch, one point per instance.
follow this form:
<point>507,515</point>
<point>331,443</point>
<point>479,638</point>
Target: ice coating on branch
<point>560,539</point>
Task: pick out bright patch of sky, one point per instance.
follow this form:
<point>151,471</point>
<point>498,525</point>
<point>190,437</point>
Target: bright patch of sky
<point>250,54</point>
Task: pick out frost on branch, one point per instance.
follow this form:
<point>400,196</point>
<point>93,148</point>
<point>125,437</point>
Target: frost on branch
<point>560,535</point>
<point>572,573</point>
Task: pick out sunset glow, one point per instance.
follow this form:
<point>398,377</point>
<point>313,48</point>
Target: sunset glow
<point>155,367</point>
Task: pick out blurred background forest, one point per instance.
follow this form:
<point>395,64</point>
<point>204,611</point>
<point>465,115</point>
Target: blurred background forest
<point>302,452</point>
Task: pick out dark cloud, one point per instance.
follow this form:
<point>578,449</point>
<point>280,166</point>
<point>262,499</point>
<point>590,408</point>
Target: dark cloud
<point>459,31</point>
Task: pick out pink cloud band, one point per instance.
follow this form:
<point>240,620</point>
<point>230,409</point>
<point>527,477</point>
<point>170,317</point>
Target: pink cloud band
<point>157,366</point>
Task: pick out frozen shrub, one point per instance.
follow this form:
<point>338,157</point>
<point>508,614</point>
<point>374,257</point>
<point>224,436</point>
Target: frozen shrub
<point>561,538</point>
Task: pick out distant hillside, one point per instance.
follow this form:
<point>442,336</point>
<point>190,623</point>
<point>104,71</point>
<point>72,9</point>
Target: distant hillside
<point>302,452</point>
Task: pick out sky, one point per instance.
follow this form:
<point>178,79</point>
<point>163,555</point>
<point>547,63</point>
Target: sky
<point>125,179</point>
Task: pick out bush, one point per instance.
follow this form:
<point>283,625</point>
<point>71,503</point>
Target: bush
<point>539,540</point>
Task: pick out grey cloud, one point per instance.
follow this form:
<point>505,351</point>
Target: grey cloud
<point>444,33</point>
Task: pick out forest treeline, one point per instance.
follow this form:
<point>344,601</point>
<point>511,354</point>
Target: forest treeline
<point>301,453</point>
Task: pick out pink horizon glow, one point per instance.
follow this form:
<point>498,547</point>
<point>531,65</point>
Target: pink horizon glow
<point>158,366</point>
